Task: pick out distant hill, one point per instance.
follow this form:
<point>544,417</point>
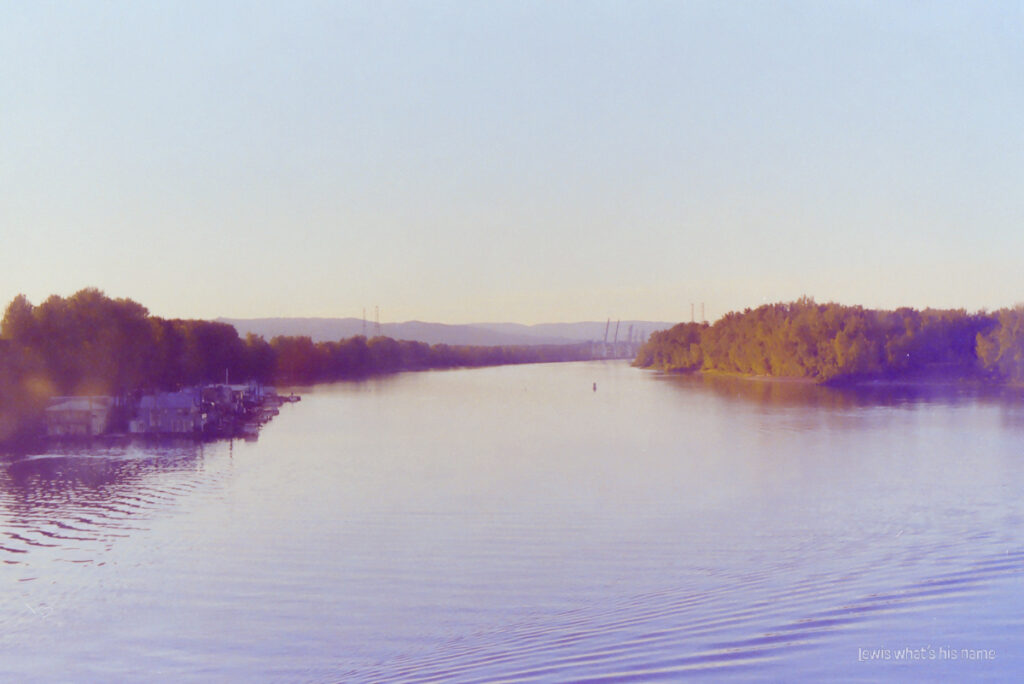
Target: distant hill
<point>482,334</point>
<point>583,331</point>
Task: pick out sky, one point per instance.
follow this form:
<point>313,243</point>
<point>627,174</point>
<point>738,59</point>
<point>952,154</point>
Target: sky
<point>532,162</point>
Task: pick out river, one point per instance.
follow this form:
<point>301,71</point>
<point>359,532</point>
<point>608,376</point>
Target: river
<point>516,524</point>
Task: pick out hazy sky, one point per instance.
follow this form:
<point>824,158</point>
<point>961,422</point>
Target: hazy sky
<point>522,161</point>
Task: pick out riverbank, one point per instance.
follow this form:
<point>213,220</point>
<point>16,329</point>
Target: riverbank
<point>209,412</point>
<point>89,345</point>
<point>928,378</point>
<point>202,413</point>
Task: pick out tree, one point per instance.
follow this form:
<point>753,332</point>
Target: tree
<point>19,323</point>
<point>1001,351</point>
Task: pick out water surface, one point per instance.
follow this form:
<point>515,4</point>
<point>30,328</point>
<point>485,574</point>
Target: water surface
<point>514,524</point>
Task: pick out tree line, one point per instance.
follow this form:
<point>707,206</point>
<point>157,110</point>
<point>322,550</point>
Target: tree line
<point>833,342</point>
<point>300,360</point>
<point>91,344</point>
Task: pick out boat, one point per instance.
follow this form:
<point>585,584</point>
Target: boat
<point>249,431</point>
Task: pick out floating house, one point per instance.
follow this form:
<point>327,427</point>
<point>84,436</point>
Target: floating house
<point>170,413</point>
<point>78,416</point>
<point>205,411</point>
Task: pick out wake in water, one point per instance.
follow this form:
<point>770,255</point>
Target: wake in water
<point>801,631</point>
<point>81,502</point>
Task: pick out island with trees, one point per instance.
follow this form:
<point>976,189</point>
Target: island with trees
<point>834,343</point>
<point>90,345</point>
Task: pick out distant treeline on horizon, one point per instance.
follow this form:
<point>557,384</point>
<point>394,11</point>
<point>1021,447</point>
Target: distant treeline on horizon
<point>90,344</point>
<point>835,343</point>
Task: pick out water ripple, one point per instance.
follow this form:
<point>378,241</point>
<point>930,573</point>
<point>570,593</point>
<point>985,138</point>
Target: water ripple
<point>664,635</point>
<point>85,499</point>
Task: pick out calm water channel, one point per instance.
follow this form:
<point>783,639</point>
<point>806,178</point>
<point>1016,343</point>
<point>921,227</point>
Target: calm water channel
<point>514,524</point>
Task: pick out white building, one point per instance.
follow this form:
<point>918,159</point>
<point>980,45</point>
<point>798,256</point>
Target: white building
<point>78,416</point>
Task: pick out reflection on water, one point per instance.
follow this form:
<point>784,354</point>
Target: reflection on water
<point>80,499</point>
<point>801,394</point>
<point>514,524</point>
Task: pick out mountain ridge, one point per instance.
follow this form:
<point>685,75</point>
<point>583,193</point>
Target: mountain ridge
<point>322,329</point>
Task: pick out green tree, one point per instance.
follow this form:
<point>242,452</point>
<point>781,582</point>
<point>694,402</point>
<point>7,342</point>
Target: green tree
<point>1001,350</point>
